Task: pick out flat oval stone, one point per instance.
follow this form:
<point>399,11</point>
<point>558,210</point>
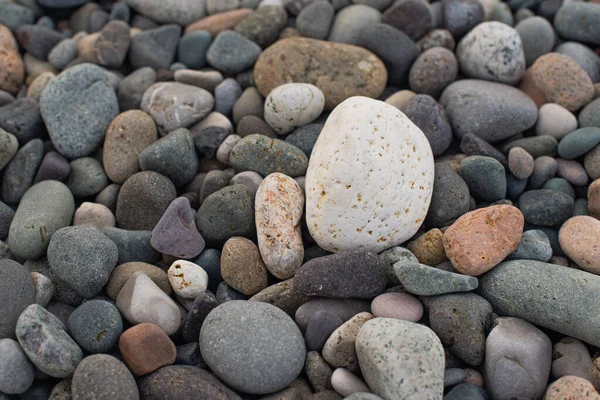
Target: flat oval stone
<point>292,105</point>
<point>242,266</point>
<point>578,237</point>
<point>213,24</point>
<point>266,155</point>
<point>382,341</point>
<point>145,348</point>
<point>81,89</point>
<point>232,53</point>
<point>279,204</point>
<point>43,338</point>
<point>102,375</point>
<point>16,371</point>
<point>498,229</point>
<point>343,308</point>
<point>47,207</point>
<point>17,291</point>
<point>579,22</point>
<point>346,176</point>
<point>579,142</point>
<point>520,163</point>
<point>424,280</point>
<point>460,16</point>
<point>260,329</point>
<point>397,305</point>
<point>19,173</point>
<point>537,36</point>
<point>314,21</point>
<point>355,71</point>
<point>263,25</point>
<point>491,110</point>
<point>546,207</point>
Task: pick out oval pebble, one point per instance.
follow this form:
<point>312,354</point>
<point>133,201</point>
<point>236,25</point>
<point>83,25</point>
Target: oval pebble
<point>187,279</point>
<point>397,305</point>
<point>577,237</point>
<point>555,120</point>
<point>292,105</point>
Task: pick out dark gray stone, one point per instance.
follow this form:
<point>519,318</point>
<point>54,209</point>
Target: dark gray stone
<point>226,293</point>
<point>132,245</point>
<point>189,354</point>
<point>80,90</point>
<point>38,40</point>
<point>17,291</point>
<point>579,22</point>
<point>98,20</point>
<point>473,145</point>
<point>83,257</point>
<point>63,293</point>
<point>231,53</point>
<point>120,12</point>
<point>61,3</point>
<point>210,261</point>
<point>545,167</point>
<point>20,171</point>
<point>263,25</point>
<point>62,54</point>
<point>485,177</point>
<point>154,48</point>
<point>192,323</point>
<point>112,44</point>
<point>314,21</point>
<point>132,87</point>
<point>62,311</point>
<point>579,142</point>
<point>320,327</point>
<point>108,196</point>
<point>87,177</point>
<point>466,391</point>
<point>9,145</point>
<point>534,245</point>
<point>431,118</point>
<point>176,233</point>
<point>209,139</point>
<point>215,180</point>
<point>192,49</point>
<point>305,137</point>
<point>6,217</point>
<point>343,308</point>
<point>413,17</point>
<point>561,185</point>
<point>22,118</point>
<point>546,207</point>
<point>102,376</point>
<point>454,376</point>
<point>53,167</point>
<point>348,274</point>
<point>96,326</point>
<point>13,15</point>
<point>424,280</point>
<point>459,16</point>
<point>252,328</point>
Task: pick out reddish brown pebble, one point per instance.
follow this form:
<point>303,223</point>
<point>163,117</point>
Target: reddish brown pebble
<point>530,89</point>
<point>579,238</point>
<point>12,70</point>
<point>481,239</point>
<point>146,348</point>
<point>571,388</point>
<point>429,248</point>
<point>562,81</point>
<point>220,22</point>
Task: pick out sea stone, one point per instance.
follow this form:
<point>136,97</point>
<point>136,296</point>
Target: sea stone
<point>342,308</point>
<point>381,342</point>
<point>339,70</point>
<point>217,23</point>
<point>181,12</point>
<point>12,70</point>
<point>242,267</point>
<point>145,348</point>
<point>397,305</point>
<point>571,387</point>
<point>123,272</point>
<point>17,292</point>
<point>350,171</point>
<point>339,350</point>
<point>579,22</point>
<point>578,238</point>
<point>292,105</point>
<point>429,248</point>
<point>498,229</point>
<point>279,204</point>
<point>16,371</point>
<point>187,279</point>
<point>424,280</point>
<point>102,376</point>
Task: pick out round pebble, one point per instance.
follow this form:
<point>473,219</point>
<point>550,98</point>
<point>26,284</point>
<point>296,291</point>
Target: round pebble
<point>103,376</point>
<point>292,105</point>
<point>432,71</point>
<point>96,326</point>
<point>397,305</point>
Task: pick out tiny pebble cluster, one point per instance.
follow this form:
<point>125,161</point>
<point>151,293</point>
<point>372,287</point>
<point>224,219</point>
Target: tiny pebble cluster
<point>299,199</point>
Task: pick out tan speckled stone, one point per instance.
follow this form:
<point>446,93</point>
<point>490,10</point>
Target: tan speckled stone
<point>481,239</point>
<point>429,248</point>
<point>123,272</point>
<point>579,238</point>
<point>339,349</point>
<point>278,209</point>
<point>220,22</point>
<point>12,70</point>
<point>571,388</point>
<point>594,199</point>
<point>242,267</point>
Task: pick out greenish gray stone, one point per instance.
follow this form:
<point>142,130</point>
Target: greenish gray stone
<point>579,142</point>
<point>537,146</point>
<point>450,198</point>
<point>561,185</point>
<point>579,21</point>
<point>266,155</point>
<point>264,25</point>
<point>102,376</point>
<point>232,53</point>
<point>546,207</point>
<point>87,177</point>
<point>45,208</point>
<point>424,280</point>
<point>396,255</point>
<point>590,115</point>
<point>534,245</point>
<point>485,177</point>
<point>13,15</point>
<point>132,245</point>
<point>561,299</point>
<point>192,49</point>
<point>20,171</point>
<point>96,326</point>
<point>17,291</point>
<point>9,145</point>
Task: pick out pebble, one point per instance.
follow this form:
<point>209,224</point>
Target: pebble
<point>582,55</point>
<point>37,40</point>
<point>432,71</point>
<point>466,391</point>
<point>544,168</point>
<point>382,341</point>
<point>485,177</point>
<point>252,124</point>
<point>450,198</point>
<point>398,306</point>
<point>123,272</point>
<point>318,372</point>
<point>460,16</point>
<point>154,48</point>
<point>578,22</point>
<point>319,328</point>
<point>534,245</point>
<point>22,118</point>
<point>279,204</point>
<point>537,146</point>
<point>178,12</point>
<point>187,279</point>
<point>339,349</point>
<point>263,25</point>
<point>555,120</point>
<point>537,37</point>
<point>346,383</point>
<point>467,100</point>
<point>53,167</point>
<point>266,155</point>
<point>103,376</point>
<point>174,156</point>
<point>175,105</point>
<point>520,163</point>
<point>43,339</point>
<point>265,331</point>
<point>44,289</point>
<point>412,17</point>
<point>217,23</point>
<point>588,115</point>
<point>431,118</point>
<point>577,238</point>
<point>87,177</point>
<point>232,53</point>
<point>209,139</point>
<point>15,15</point>
<point>206,80</point>
<point>548,295</point>
<point>145,348</point>
<point>202,305</point>
<point>428,248</point>
<point>17,292</point>
<point>579,142</point>
<point>571,387</point>
<point>13,71</point>
<point>424,280</point>
<point>132,245</point>
<point>292,105</point>
<point>96,326</point>
<point>546,207</point>
<point>8,147</point>
<point>131,89</point>
<point>141,300</point>
<point>315,20</point>
<point>349,22</point>
<point>571,357</point>
<point>38,84</point>
<point>348,274</point>
<point>213,181</point>
<point>283,296</point>
<point>226,94</point>
<point>192,48</point>
<point>454,376</point>
<point>20,171</point>
<point>510,371</point>
<point>499,229</point>
<point>47,206</point>
<point>126,138</point>
<point>143,199</point>
<point>354,72</point>
<point>16,371</point>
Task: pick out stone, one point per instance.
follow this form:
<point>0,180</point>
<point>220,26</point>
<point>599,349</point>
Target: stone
<point>47,207</point>
<point>207,80</point>
<point>176,12</point>
<point>232,53</point>
<point>19,173</point>
<point>415,18</point>
<point>339,350</point>
<point>587,31</point>
<point>588,115</point>
<point>562,81</point>
<point>498,228</point>
<point>428,248</point>
<point>305,137</point>
<point>534,245</point>
<point>187,279</point>
<point>17,292</point>
<point>546,207</point>
<point>253,328</point>
<point>176,233</point>
<point>175,105</point>
<point>266,155</point>
<point>362,72</point>
<point>382,341</point>
<point>87,177</point>
<point>520,163</point>
<point>279,204</point>
<point>350,21</point>
<point>509,370</point>
<point>536,146</point>
<point>44,289</point>
<point>126,138</point>
<point>320,327</point>
<point>53,167</point>
<point>423,280</point>
<point>133,245</point>
<point>292,105</point>
<point>208,140</point>
<point>217,23</point>
<point>8,147</point>
<point>348,274</point>
<point>38,40</point>
<point>63,101</point>
<point>431,118</point>
<point>242,267</point>
<point>572,171</point>
<point>123,272</point>
<point>485,176</point>
<point>577,239</point>
<point>45,342</point>
<point>398,306</point>
<point>154,48</point>
<point>141,300</point>
<point>579,142</point>
<point>96,326</point>
<point>192,48</point>
<point>263,25</point>
<point>15,15</point>
<point>226,94</point>
<point>571,387</point>
<point>16,371</point>
<point>11,65</point>
<point>571,357</point>
<point>318,372</point>
<point>507,110</point>
<point>478,58</point>
<point>145,348</point>
<point>282,296</point>
<point>202,305</point>
<point>362,185</point>
<point>133,86</point>
<point>112,44</point>
<point>62,54</point>
<point>143,199</point>
<point>346,383</point>
<point>433,70</point>
<point>103,376</point>
<point>22,118</point>
<point>315,20</point>
<point>38,84</point>
<point>450,198</point>
<point>537,37</point>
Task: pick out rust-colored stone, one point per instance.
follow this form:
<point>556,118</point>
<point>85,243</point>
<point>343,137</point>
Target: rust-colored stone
<point>146,348</point>
<point>528,87</point>
<point>12,70</point>
<point>579,238</point>
<point>214,24</point>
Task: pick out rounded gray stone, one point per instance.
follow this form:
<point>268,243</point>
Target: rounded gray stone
<point>226,94</point>
<point>424,280</point>
<point>62,54</point>
<point>314,21</point>
<point>17,291</point>
<point>262,352</point>
<point>154,48</point>
<point>13,15</point>
<point>192,49</point>
<point>20,171</point>
<point>132,245</point>
<point>133,86</point>
<point>485,177</point>
<point>16,371</point>
<point>102,376</point>
<point>232,53</point>
<point>87,177</point>
<point>264,25</point>
<point>96,326</point>
<point>350,21</point>
<point>534,245</point>
<point>38,40</point>
<point>546,207</point>
<point>579,21</point>
<point>537,37</point>
<point>80,90</point>
<point>579,142</point>
<point>590,115</point>
<point>9,145</point>
<point>22,118</point>
<point>305,137</point>
<point>460,16</point>
<point>431,118</point>
<point>450,198</point>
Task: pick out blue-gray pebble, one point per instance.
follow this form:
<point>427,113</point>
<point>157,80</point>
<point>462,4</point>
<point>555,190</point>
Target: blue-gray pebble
<point>231,53</point>
<point>154,48</point>
<point>96,326</point>
<point>579,142</point>
<point>534,245</point>
<point>192,49</point>
<point>17,291</point>
<point>485,177</point>
<point>546,207</point>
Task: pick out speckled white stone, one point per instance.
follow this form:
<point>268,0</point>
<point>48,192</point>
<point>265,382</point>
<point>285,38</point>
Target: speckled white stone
<point>492,51</point>
<point>292,105</point>
<point>370,178</point>
<point>187,279</point>
<point>279,204</point>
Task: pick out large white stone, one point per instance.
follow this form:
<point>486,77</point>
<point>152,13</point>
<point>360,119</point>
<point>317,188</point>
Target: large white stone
<point>292,105</point>
<point>370,178</point>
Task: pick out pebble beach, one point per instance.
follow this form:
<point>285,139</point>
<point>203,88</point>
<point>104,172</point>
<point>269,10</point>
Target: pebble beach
<point>299,200</point>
